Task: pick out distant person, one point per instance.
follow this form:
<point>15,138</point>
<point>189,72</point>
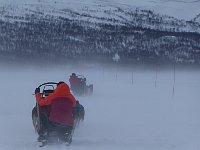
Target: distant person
<point>74,80</point>
<point>76,84</point>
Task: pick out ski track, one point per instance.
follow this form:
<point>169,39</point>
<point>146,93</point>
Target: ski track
<point>119,115</point>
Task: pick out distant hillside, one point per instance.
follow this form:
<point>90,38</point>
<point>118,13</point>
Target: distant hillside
<point>39,31</point>
<point>197,18</point>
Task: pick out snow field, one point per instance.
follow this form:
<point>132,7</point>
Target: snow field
<point>126,110</point>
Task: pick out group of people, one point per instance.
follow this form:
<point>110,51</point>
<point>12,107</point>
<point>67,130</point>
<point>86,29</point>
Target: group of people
<point>56,111</point>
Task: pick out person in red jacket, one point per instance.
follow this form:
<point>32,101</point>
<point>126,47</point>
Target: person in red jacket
<point>77,84</point>
<point>74,82</point>
<point>61,103</point>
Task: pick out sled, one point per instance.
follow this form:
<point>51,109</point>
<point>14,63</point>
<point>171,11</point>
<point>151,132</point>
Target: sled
<point>52,135</point>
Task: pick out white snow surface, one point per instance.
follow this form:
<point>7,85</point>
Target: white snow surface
<point>129,109</point>
<point>182,9</point>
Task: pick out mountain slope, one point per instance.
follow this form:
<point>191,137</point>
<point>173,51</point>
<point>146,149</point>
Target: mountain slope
<point>186,9</point>
<point>94,12</point>
<point>74,30</point>
<point>197,18</point>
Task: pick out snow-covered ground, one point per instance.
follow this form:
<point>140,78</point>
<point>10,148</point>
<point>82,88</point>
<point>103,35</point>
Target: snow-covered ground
<point>113,12</point>
<point>129,109</point>
<point>182,9</point>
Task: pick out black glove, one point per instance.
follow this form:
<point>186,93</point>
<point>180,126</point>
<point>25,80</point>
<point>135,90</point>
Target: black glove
<point>37,90</point>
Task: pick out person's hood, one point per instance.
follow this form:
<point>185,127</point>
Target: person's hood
<point>62,90</point>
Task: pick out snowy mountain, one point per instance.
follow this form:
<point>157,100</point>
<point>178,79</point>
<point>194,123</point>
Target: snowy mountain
<point>94,12</point>
<point>76,29</point>
<point>197,18</point>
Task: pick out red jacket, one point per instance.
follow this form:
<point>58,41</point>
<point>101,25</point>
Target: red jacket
<point>61,102</point>
<point>62,90</point>
<point>74,80</point>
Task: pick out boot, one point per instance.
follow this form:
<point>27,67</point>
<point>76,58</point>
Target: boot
<point>67,139</point>
<point>41,138</point>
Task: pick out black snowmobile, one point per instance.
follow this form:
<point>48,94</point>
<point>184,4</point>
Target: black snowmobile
<point>42,124</point>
